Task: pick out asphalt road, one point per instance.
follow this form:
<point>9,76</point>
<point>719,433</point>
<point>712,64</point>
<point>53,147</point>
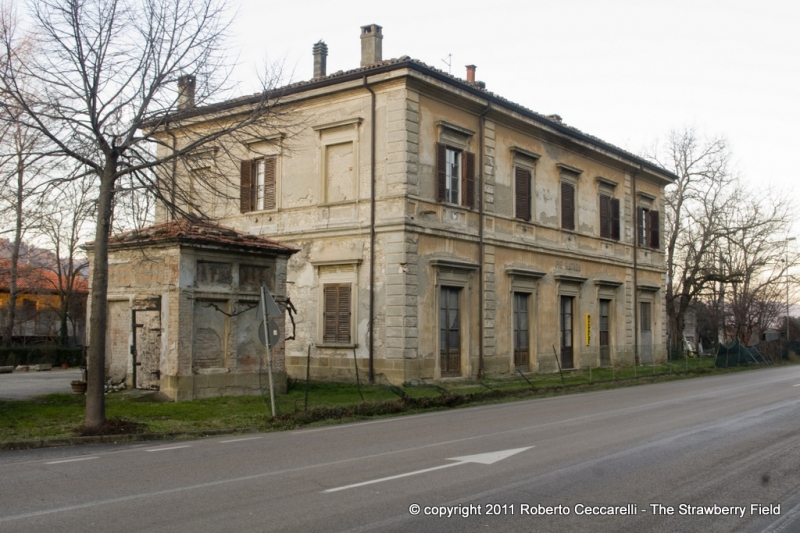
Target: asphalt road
<point>24,385</point>
<point>727,441</point>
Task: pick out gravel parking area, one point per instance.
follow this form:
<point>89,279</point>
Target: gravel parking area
<point>25,385</point>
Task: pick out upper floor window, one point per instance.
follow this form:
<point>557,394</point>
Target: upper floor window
<point>522,193</point>
<point>609,217</point>
<point>648,228</point>
<point>567,205</point>
<point>257,185</point>
<point>455,175</point>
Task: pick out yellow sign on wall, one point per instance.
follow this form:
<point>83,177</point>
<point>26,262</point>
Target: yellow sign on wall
<point>588,329</point>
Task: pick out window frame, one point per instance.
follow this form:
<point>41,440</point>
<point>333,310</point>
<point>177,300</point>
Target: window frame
<point>337,272</point>
<point>610,223</point>
<point>249,187</point>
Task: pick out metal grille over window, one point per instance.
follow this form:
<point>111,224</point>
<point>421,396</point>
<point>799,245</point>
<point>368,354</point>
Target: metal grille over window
<point>567,206</point>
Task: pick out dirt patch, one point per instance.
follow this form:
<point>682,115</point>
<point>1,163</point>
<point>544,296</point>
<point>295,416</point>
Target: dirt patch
<point>112,426</point>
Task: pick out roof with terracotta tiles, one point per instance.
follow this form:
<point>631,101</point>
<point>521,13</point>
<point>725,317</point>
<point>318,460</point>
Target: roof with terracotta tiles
<point>197,232</point>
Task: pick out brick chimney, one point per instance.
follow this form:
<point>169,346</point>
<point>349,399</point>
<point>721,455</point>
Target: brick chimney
<point>320,59</point>
<point>371,45</point>
<point>186,86</point>
<point>471,73</point>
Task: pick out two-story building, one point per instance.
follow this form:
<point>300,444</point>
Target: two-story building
<point>444,231</point>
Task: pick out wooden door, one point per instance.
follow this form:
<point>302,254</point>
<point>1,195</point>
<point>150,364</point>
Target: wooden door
<point>147,349</point>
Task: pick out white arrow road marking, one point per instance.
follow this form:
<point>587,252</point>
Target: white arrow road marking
<point>798,385</point>
<point>168,448</point>
<point>71,460</point>
<point>481,458</point>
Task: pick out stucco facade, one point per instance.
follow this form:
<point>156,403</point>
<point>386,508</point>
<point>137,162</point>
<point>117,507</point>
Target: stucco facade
<point>438,259</point>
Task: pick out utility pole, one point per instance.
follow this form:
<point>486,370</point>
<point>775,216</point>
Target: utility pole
<point>786,256</point>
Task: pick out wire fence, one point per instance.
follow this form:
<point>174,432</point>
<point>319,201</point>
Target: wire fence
<point>341,382</point>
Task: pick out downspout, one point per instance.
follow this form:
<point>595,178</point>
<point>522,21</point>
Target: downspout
<point>370,323</point>
<point>636,231</point>
<point>174,184</point>
<point>481,244</point>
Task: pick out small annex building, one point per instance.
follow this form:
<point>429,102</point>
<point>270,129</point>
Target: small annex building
<point>182,317</point>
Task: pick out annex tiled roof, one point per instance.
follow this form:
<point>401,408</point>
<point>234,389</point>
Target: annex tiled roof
<point>196,232</point>
<point>408,62</point>
<point>35,280</point>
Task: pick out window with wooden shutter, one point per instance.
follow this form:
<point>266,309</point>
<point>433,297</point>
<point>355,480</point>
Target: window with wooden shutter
<point>654,225</point>
<point>246,187</point>
<point>441,172</point>
<point>605,216</point>
<point>270,164</point>
<point>567,205</point>
<point>469,180</point>
<point>522,199</point>
<point>336,313</point>
<point>615,229</point>
<point>641,225</point>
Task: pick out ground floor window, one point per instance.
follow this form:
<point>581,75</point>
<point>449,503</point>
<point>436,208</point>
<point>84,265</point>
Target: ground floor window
<point>605,348</point>
<point>567,354</point>
<point>450,331</point>
<point>521,331</point>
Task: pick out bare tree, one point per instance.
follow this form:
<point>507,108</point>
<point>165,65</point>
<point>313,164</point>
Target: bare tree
<point>21,164</point>
<point>66,213</point>
<point>697,209</point>
<point>107,72</point>
<point>755,253</point>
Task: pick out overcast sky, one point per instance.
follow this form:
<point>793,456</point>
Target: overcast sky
<point>627,71</point>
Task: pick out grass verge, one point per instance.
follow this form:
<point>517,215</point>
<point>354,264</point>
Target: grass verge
<point>58,418</point>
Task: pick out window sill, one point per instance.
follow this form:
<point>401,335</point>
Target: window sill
<point>335,345</point>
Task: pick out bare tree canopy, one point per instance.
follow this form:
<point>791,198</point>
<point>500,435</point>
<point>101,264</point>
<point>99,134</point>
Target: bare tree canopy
<point>719,235</point>
<point>110,85</point>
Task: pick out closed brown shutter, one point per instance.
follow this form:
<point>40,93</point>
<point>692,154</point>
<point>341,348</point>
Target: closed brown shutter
<point>469,180</point>
<point>567,206</point>
<point>654,225</point>
<point>441,172</point>
<point>343,326</point>
<point>605,216</point>
<point>615,230</point>
<point>246,187</point>
<point>522,183</point>
<point>336,313</point>
<point>270,165</point>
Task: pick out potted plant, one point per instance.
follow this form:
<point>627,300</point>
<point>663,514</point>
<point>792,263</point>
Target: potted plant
<point>79,385</point>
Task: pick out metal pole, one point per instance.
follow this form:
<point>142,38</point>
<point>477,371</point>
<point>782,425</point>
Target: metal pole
<point>786,252</point>
<point>269,353</point>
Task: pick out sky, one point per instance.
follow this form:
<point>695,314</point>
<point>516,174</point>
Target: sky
<point>625,71</point>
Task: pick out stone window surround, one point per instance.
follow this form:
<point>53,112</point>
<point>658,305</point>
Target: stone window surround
<point>527,160</point>
<point>347,272</point>
<point>524,280</point>
<point>330,134</point>
<point>571,175</point>
<point>262,148</point>
<point>459,274</point>
<point>607,290</point>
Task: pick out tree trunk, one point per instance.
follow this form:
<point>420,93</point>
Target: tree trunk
<point>95,394</point>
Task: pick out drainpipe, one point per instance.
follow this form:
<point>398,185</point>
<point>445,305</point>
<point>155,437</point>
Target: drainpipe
<point>481,244</point>
<point>636,231</point>
<point>370,324</point>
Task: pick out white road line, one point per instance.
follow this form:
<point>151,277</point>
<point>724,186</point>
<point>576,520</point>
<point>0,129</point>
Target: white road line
<point>238,440</point>
<point>798,385</point>
<point>398,476</point>
<point>71,460</point>
<point>169,448</point>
